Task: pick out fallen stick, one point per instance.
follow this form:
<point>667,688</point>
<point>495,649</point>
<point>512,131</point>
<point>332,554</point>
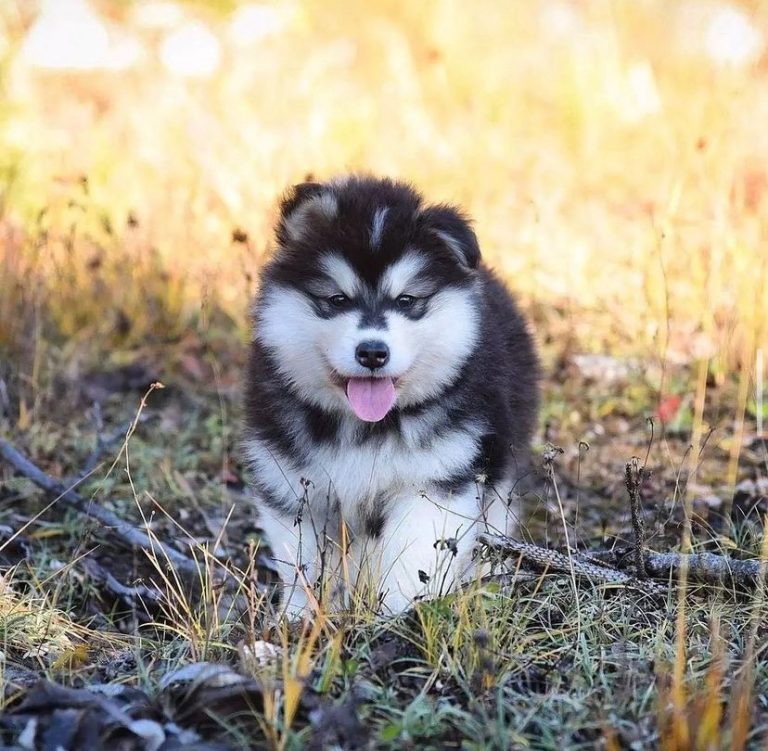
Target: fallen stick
<point>125,531</point>
<point>704,568</point>
<point>138,596</point>
<point>707,568</point>
<point>544,558</point>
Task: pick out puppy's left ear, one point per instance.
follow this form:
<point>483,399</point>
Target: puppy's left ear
<point>455,231</point>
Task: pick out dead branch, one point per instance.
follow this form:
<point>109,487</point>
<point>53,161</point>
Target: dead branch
<point>550,560</point>
<point>121,529</point>
<point>633,478</point>
<point>704,568</point>
<point>138,597</point>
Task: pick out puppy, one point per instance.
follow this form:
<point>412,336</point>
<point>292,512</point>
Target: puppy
<point>392,391</point>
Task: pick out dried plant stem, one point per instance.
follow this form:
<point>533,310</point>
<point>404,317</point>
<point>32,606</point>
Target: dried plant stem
<point>633,478</point>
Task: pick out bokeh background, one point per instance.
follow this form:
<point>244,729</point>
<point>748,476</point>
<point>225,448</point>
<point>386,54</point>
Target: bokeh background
<point>613,154</point>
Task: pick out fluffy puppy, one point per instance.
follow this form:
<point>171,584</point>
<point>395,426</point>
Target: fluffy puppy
<point>392,392</point>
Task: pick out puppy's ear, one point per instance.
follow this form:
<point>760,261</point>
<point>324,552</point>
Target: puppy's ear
<point>297,195</point>
<point>454,231</point>
<point>303,204</point>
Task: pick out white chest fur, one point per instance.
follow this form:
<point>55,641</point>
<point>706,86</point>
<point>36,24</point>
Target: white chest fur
<point>349,474</point>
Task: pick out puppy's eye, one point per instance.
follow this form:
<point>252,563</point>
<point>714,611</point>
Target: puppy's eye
<point>338,301</point>
<point>404,302</point>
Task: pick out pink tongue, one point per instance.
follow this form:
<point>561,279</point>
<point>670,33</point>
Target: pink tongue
<point>371,398</point>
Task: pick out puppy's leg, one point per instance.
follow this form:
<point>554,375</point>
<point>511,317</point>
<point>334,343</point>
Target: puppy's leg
<point>304,551</point>
<point>293,556</point>
<point>426,545</point>
<point>501,508</point>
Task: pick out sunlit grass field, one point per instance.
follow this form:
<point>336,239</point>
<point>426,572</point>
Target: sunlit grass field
<point>614,157</point>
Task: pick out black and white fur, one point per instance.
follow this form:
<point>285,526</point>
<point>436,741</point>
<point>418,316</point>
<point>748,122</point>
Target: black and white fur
<point>395,504</point>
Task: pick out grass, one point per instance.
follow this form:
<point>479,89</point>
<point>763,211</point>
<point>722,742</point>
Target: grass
<point>616,174</point>
<point>539,665</point>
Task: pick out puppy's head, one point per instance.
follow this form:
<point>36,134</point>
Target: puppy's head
<point>369,302</point>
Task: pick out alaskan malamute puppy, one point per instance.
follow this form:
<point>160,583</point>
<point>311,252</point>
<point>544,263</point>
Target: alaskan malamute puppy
<point>391,396</point>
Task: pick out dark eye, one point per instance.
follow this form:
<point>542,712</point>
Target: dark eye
<point>338,301</point>
<point>404,302</point>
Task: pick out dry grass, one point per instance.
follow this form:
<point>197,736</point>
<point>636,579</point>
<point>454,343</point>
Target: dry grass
<point>612,166</point>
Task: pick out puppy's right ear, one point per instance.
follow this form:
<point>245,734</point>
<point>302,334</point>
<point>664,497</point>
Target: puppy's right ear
<point>304,204</point>
<point>297,195</point>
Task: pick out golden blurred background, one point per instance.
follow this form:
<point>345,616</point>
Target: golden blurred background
<point>614,155</point>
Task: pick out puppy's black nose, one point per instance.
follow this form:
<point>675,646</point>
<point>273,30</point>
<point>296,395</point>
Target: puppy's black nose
<point>372,354</point>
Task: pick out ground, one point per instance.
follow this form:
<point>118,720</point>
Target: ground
<point>533,664</point>
<point>617,178</point>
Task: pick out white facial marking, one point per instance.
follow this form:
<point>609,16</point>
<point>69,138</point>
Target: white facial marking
<point>397,277</point>
<point>437,345</point>
<point>289,327</point>
<point>342,273</point>
<point>377,226</point>
<point>328,205</point>
<point>311,352</point>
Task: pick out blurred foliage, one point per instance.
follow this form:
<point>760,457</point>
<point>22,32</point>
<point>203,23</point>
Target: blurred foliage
<point>613,156</point>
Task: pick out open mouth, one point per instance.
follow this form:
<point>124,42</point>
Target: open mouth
<point>371,398</point>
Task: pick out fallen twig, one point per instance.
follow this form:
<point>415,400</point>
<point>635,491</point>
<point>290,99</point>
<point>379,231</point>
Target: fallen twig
<point>137,596</point>
<point>502,578</point>
<point>544,558</point>
<point>708,568</point>
<point>705,568</point>
<point>125,531</point>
